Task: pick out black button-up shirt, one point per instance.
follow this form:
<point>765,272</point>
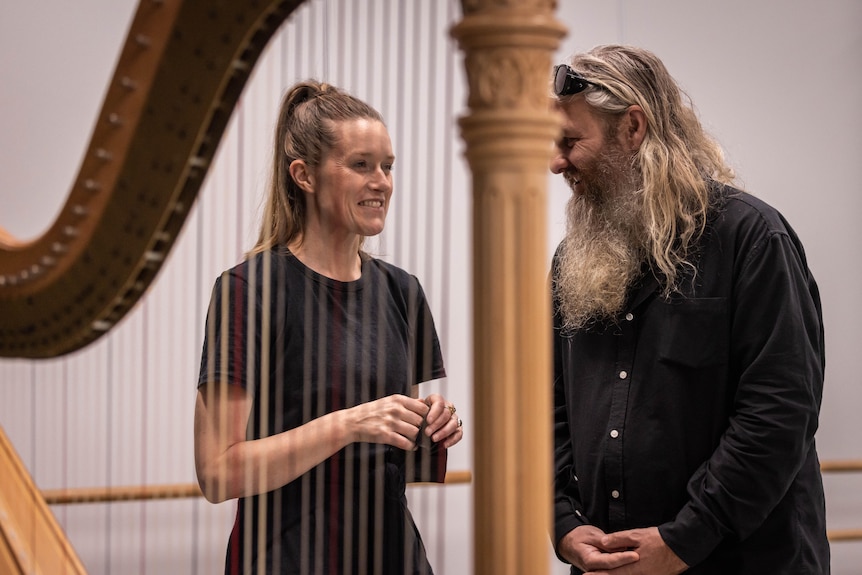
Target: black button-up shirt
<point>697,413</point>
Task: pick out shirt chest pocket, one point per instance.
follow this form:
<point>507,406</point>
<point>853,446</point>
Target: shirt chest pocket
<point>694,333</point>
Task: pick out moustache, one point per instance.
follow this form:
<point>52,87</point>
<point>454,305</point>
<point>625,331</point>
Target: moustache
<point>570,178</point>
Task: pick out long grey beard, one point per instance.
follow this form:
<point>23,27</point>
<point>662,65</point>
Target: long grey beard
<point>600,259</point>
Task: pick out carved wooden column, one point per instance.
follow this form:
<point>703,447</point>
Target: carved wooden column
<point>508,132</point>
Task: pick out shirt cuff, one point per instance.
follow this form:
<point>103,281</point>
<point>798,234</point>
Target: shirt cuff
<point>691,536</point>
<point>563,523</point>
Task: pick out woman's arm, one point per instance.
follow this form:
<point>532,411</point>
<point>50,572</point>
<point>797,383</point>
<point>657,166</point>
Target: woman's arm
<point>229,466</point>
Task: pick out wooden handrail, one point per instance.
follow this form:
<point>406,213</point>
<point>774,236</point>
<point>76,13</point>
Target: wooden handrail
<point>121,493</point>
<point>167,491</point>
<point>841,465</point>
<point>187,490</point>
<point>844,534</point>
<point>183,490</point>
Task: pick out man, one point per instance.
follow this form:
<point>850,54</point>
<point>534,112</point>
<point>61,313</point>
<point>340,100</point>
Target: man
<point>688,345</point>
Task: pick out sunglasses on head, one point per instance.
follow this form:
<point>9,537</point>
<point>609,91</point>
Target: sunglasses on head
<point>568,82</point>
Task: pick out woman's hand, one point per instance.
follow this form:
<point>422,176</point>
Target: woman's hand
<point>393,420</point>
<point>442,423</point>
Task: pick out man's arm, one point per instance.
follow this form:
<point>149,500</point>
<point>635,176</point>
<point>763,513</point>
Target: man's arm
<point>567,501</point>
<point>777,351</point>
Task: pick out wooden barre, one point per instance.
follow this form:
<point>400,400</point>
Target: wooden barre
<point>844,534</point>
<point>167,491</point>
<point>188,490</point>
<point>841,465</point>
<point>184,490</point>
<point>120,493</point>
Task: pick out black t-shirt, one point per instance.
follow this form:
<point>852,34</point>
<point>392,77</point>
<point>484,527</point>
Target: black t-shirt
<point>308,345</point>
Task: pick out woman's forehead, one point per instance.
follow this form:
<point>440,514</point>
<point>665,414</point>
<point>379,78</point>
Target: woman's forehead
<point>364,133</point>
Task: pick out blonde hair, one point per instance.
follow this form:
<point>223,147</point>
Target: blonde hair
<point>307,119</point>
<point>677,158</point>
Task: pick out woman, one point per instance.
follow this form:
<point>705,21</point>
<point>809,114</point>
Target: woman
<point>306,409</point>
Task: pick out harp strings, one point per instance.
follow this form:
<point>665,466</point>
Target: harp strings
<point>125,418</point>
<point>417,235</point>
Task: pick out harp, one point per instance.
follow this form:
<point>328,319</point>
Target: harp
<point>152,147</point>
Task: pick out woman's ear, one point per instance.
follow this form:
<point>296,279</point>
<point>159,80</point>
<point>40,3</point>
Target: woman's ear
<point>302,175</point>
<point>634,127</point>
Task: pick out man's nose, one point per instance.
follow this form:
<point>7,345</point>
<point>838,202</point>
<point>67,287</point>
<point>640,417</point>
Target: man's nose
<point>559,162</point>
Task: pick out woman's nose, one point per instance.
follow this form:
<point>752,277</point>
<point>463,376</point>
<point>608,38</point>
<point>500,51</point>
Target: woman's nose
<point>381,179</point>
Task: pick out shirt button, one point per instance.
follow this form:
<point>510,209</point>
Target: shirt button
<point>623,375</point>
<point>615,433</point>
<point>629,316</point>
<point>615,494</point>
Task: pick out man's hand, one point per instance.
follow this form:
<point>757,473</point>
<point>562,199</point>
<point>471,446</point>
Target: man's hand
<point>654,556</point>
<point>584,547</point>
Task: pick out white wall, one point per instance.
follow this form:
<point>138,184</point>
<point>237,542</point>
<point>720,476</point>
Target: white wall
<point>777,82</point>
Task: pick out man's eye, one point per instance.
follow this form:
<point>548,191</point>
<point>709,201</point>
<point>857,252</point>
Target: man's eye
<point>387,168</point>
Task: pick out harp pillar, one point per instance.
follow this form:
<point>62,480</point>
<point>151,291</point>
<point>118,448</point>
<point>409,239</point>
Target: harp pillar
<point>508,133</point>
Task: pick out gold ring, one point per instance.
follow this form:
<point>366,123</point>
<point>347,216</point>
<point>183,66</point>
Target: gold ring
<point>451,409</point>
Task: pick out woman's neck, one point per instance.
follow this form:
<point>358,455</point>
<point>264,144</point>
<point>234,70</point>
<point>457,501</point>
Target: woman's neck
<point>341,263</point>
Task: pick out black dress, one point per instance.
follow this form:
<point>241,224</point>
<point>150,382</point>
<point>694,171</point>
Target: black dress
<point>309,345</point>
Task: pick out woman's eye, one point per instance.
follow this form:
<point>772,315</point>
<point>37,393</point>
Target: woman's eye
<point>360,163</point>
<point>387,168</point>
